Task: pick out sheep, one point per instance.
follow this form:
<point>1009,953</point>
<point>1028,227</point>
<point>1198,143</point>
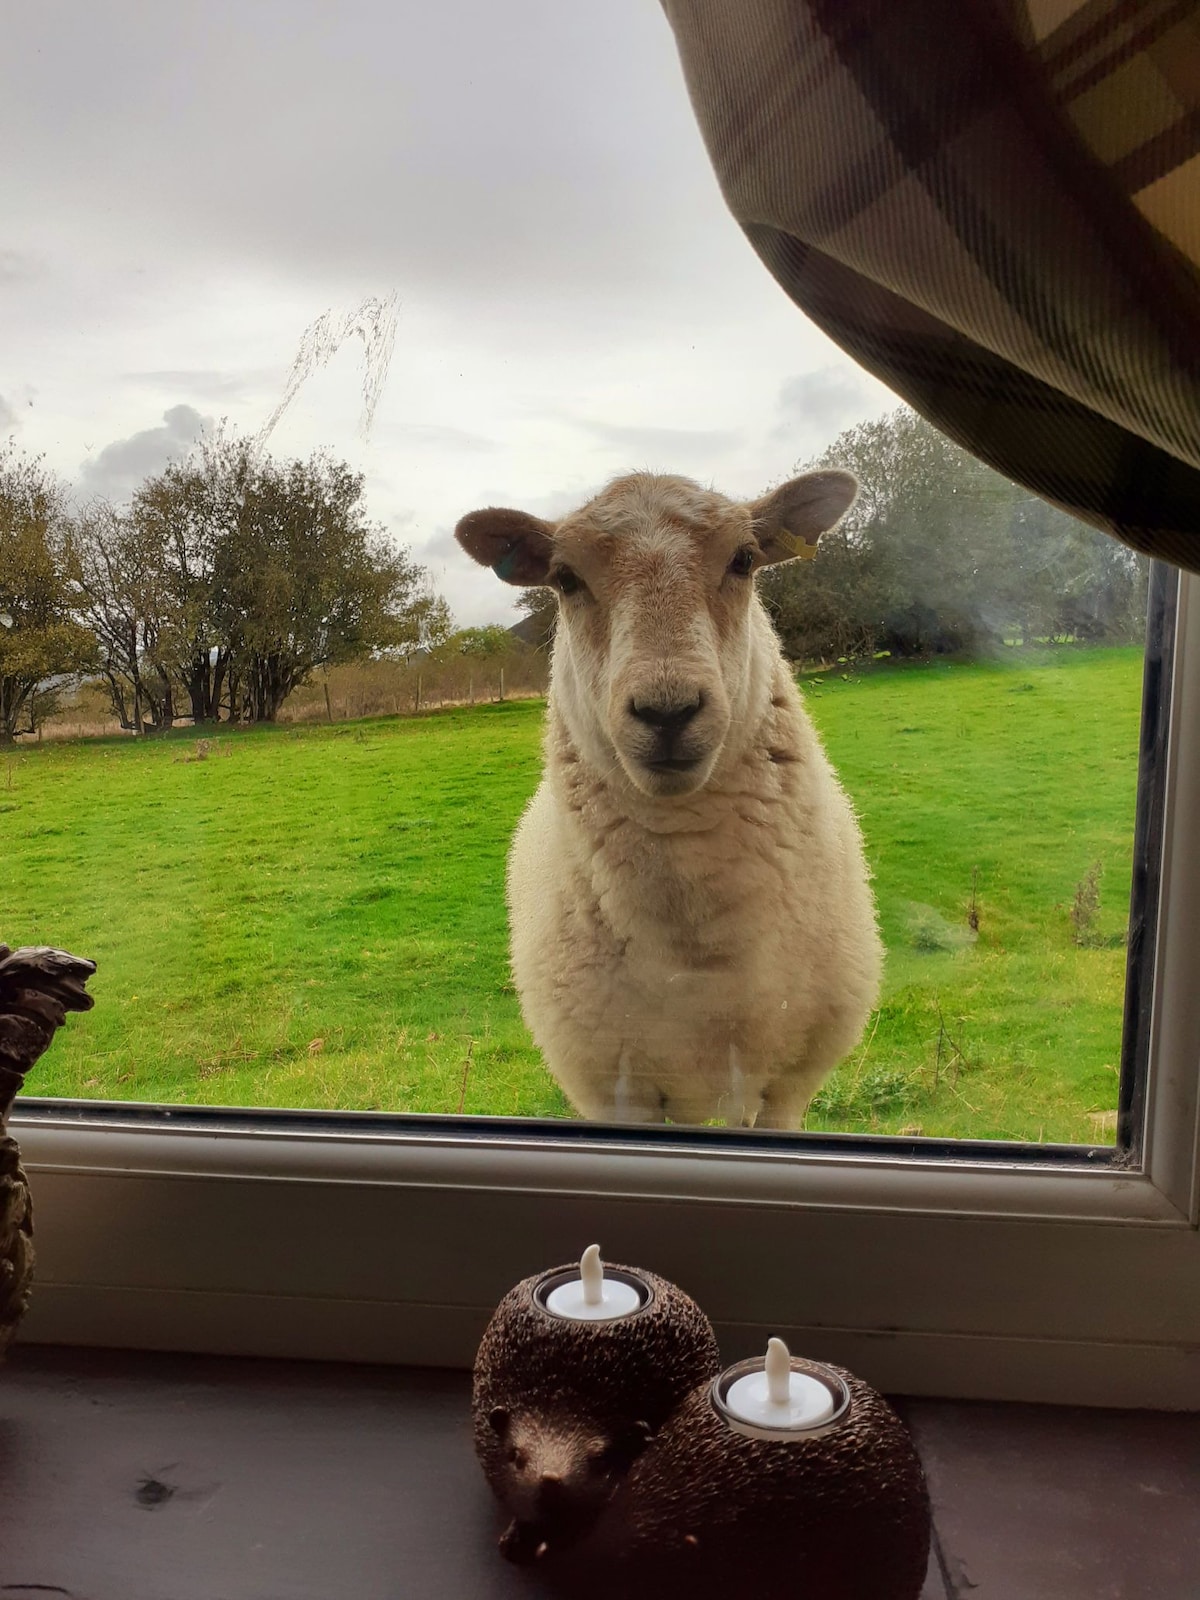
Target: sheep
<point>693,933</point>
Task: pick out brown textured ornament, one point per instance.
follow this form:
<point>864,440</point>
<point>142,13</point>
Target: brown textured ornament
<point>562,1408</point>
<point>38,986</point>
<point>840,1514</point>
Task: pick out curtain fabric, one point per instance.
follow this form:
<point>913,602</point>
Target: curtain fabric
<point>993,206</point>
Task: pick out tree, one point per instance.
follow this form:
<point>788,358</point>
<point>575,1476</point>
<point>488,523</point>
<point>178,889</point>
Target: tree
<point>541,617</point>
<point>40,639</point>
<point>303,580</point>
<point>188,515</point>
<point>123,596</point>
<point>232,577</point>
<point>832,607</point>
<point>941,555</point>
<point>480,644</point>
<point>1074,583</point>
<point>427,623</point>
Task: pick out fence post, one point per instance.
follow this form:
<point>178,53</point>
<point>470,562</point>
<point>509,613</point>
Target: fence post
<point>502,683</point>
<point>417,705</point>
<point>328,707</point>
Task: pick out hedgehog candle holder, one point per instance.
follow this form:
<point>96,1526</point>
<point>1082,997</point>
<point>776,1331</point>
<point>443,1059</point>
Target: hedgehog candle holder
<point>578,1368</point>
<point>779,1477</point>
<point>782,1478</point>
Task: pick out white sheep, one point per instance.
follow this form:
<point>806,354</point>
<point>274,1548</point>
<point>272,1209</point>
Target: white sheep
<point>693,931</point>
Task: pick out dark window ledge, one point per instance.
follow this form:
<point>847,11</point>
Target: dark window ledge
<point>141,1477</point>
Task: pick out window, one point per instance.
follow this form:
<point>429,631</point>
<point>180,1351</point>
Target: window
<point>310,915</point>
<point>1044,1268</point>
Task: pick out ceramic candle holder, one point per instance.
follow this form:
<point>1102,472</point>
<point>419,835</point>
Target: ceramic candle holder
<point>566,1398</point>
<point>38,987</point>
<point>720,1506</point>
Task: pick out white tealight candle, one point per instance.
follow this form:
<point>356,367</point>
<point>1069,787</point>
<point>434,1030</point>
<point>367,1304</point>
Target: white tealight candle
<point>591,1297</point>
<point>777,1397</point>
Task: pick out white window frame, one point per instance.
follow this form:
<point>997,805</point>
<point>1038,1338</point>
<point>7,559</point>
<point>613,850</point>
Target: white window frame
<point>965,1277</point>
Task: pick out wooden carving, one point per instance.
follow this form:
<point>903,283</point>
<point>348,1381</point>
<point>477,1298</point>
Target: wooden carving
<point>38,986</point>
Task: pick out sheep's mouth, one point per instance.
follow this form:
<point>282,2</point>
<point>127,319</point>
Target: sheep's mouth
<point>670,776</point>
<point>672,764</point>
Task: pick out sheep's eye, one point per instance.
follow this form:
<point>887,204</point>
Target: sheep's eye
<point>566,581</point>
<point>743,562</point>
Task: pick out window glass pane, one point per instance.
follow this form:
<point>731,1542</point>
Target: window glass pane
<point>478,258</point>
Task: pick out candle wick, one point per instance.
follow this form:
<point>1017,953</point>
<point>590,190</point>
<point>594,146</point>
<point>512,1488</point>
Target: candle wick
<point>591,1271</point>
<point>778,1367</point>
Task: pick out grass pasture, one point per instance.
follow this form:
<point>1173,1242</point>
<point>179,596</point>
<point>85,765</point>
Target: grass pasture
<point>313,916</point>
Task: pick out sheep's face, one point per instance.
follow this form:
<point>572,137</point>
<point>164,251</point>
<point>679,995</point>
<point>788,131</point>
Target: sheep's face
<point>655,587</point>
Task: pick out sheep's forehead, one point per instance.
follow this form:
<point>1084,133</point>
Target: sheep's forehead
<point>652,516</point>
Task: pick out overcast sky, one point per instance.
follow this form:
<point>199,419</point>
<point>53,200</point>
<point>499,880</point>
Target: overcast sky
<point>188,186</point>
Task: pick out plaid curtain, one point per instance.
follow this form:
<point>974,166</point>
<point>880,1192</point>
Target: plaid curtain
<point>993,206</point>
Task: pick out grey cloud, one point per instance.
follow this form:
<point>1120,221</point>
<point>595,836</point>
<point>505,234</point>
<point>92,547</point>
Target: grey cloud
<point>556,502</point>
<point>442,548</point>
<point>665,448</point>
<point>418,145</point>
<point>820,404</point>
<point>399,522</point>
<point>19,266</point>
<point>122,465</point>
<point>204,382</point>
<point>440,436</point>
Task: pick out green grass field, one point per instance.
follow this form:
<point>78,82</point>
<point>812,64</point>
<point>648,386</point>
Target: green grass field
<point>314,916</point>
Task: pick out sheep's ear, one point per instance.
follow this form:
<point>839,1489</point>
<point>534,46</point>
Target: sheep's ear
<point>515,545</point>
<point>789,521</point>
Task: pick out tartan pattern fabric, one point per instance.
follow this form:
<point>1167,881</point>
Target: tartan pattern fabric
<point>994,207</point>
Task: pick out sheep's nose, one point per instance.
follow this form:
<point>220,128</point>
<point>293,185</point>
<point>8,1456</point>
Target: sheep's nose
<point>667,719</point>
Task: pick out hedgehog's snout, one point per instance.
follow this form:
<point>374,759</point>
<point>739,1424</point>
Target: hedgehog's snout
<point>553,1495</point>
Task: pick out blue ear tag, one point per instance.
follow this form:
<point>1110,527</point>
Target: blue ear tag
<point>506,565</point>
